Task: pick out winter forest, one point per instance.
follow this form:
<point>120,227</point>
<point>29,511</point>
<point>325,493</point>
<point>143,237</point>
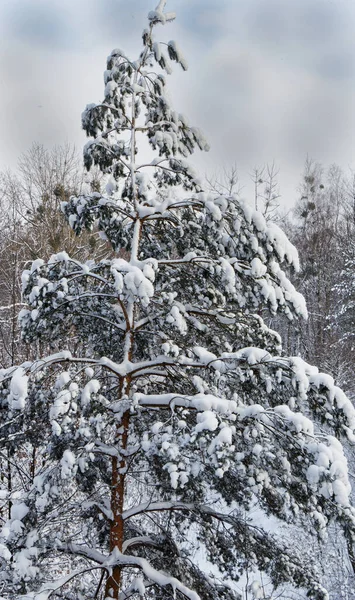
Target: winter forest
<point>177,378</point>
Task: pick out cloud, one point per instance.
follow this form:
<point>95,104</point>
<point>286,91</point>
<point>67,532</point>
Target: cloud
<point>306,33</point>
<point>114,19</point>
<point>38,23</point>
<point>268,79</point>
<point>337,66</point>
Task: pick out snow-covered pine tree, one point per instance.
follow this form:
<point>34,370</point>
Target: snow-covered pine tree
<point>178,411</point>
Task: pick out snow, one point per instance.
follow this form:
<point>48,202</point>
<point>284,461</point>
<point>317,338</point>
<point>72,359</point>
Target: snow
<point>157,51</point>
<point>176,319</point>
<point>58,258</point>
<point>61,404</point>
<point>258,269</point>
<point>200,402</point>
<point>177,52</point>
<point>23,562</point>
<point>259,221</point>
<point>56,428</point>
<point>92,387</point>
<point>5,552</point>
<point>36,265</point>
<point>67,462</point>
<point>330,470</point>
<point>135,280</point>
<point>19,511</point>
<point>25,276</point>
<point>18,389</point>
<point>283,246</point>
<point>341,493</point>
<point>207,358</point>
<point>313,474</point>
<point>246,412</point>
<point>257,590</point>
<point>137,88</point>
<point>158,16</point>
<point>206,421</point>
<point>224,437</point>
<point>298,421</point>
<point>152,574</point>
<point>62,379</point>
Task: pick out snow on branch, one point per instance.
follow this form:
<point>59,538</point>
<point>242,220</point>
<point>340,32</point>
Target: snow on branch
<point>258,538</point>
<point>116,558</point>
<point>158,507</point>
<point>51,587</point>
<point>142,540</point>
<point>160,7</point>
<point>199,402</point>
<point>158,577</point>
<point>158,15</point>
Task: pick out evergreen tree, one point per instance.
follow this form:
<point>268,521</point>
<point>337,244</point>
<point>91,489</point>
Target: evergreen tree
<point>178,412</point>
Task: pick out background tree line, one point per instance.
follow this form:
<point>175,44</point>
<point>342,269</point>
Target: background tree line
<point>321,224</point>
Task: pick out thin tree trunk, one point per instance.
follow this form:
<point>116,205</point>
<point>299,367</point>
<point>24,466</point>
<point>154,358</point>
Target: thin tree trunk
<point>113,583</point>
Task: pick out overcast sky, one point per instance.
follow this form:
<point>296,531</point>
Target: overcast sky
<point>267,80</point>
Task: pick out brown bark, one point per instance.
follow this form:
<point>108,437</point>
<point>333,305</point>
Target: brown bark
<point>113,583</point>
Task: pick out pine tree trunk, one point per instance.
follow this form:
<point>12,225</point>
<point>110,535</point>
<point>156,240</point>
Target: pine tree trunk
<point>113,583</point>
<point>118,476</point>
